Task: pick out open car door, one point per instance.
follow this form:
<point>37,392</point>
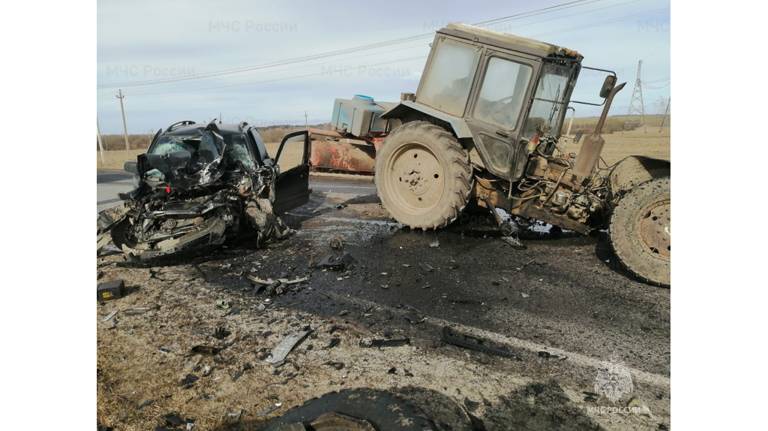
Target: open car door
<point>292,184</point>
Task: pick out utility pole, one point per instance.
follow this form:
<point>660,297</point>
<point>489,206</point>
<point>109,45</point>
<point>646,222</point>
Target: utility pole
<point>666,114</point>
<point>636,104</point>
<point>122,111</point>
<point>306,124</point>
<point>98,139</point>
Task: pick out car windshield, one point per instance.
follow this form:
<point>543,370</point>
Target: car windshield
<point>237,151</point>
<point>202,145</point>
<point>549,101</point>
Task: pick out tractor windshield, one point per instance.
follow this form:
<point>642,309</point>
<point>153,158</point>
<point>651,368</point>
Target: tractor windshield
<point>549,101</point>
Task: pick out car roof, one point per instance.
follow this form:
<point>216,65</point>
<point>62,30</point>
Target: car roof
<point>187,129</point>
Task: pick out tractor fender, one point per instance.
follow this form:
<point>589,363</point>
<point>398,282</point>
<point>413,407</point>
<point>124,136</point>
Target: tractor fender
<point>407,108</point>
<point>633,171</point>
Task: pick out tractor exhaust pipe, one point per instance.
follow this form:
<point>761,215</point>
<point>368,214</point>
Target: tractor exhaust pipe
<point>590,150</point>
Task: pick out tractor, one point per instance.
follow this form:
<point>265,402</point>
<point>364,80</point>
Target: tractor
<point>483,131</point>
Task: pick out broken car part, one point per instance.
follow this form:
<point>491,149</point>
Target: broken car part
<point>281,351</point>
<point>478,344</point>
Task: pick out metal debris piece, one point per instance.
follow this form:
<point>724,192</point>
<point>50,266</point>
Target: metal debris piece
<point>392,342</point>
<point>546,355</point>
<point>336,262</point>
<point>281,351</point>
<point>434,244</point>
<point>270,281</point>
<point>478,344</point>
<point>188,381</point>
<point>109,316</point>
<point>206,350</point>
<point>335,341</point>
<point>137,310</point>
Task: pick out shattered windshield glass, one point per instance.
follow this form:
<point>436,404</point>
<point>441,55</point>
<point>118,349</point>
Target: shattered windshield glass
<point>237,151</point>
<point>548,102</point>
<point>203,145</point>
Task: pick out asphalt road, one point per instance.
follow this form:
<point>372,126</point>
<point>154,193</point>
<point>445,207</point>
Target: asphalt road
<point>564,296</point>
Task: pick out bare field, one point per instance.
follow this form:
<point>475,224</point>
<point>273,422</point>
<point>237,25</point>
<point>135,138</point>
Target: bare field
<point>639,142</point>
<point>643,141</point>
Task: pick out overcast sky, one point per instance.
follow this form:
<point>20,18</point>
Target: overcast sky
<point>143,42</point>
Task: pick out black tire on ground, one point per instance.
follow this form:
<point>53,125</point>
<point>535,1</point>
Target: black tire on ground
<point>382,409</point>
<point>640,231</point>
<point>423,175</point>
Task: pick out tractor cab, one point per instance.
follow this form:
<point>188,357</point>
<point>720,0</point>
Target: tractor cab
<point>506,93</point>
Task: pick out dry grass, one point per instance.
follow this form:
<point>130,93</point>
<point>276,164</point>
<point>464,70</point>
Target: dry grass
<point>641,142</point>
<point>647,140</point>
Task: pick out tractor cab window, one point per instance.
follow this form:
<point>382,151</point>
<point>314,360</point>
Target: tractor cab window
<point>502,93</point>
<point>549,101</point>
<point>449,77</point>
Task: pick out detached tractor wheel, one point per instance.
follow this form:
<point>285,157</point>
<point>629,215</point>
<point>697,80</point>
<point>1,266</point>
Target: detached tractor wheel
<point>640,231</point>
<point>423,176</point>
<point>361,409</point>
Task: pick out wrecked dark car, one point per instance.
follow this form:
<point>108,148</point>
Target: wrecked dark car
<point>200,185</point>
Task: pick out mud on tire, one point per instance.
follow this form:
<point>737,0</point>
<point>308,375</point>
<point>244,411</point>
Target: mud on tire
<point>423,176</point>
<point>640,234</point>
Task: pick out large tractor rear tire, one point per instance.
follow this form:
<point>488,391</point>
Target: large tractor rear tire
<point>640,231</point>
<point>423,176</point>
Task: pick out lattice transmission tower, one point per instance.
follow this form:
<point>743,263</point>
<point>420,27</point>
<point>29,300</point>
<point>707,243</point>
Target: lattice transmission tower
<point>636,104</point>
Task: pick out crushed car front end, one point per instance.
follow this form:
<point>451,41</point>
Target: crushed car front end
<point>199,186</point>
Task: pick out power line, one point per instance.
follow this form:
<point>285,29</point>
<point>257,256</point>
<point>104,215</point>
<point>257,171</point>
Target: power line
<point>238,84</point>
<point>526,14</point>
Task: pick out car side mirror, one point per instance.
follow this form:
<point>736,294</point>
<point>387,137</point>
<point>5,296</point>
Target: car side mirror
<point>608,84</point>
<point>131,167</point>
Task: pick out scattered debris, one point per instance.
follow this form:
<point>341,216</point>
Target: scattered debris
<point>336,243</point>
<point>471,405</point>
<point>471,342</point>
<point>546,355</point>
<point>188,381</point>
<point>240,371</point>
<point>337,262</point>
<point>524,295</point>
<point>513,241</point>
<point>426,267</point>
<point>335,341</point>
<point>137,311</point>
<point>590,397</point>
<point>435,243</point>
<point>392,342</point>
<point>275,287</point>
<point>221,333</point>
<point>269,281</point>
<point>336,365</point>
<point>145,403</point>
<point>110,290</point>
<point>341,206</point>
<point>109,316</point>
<point>281,351</point>
<point>206,350</point>
<point>223,304</point>
<point>269,409</point>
